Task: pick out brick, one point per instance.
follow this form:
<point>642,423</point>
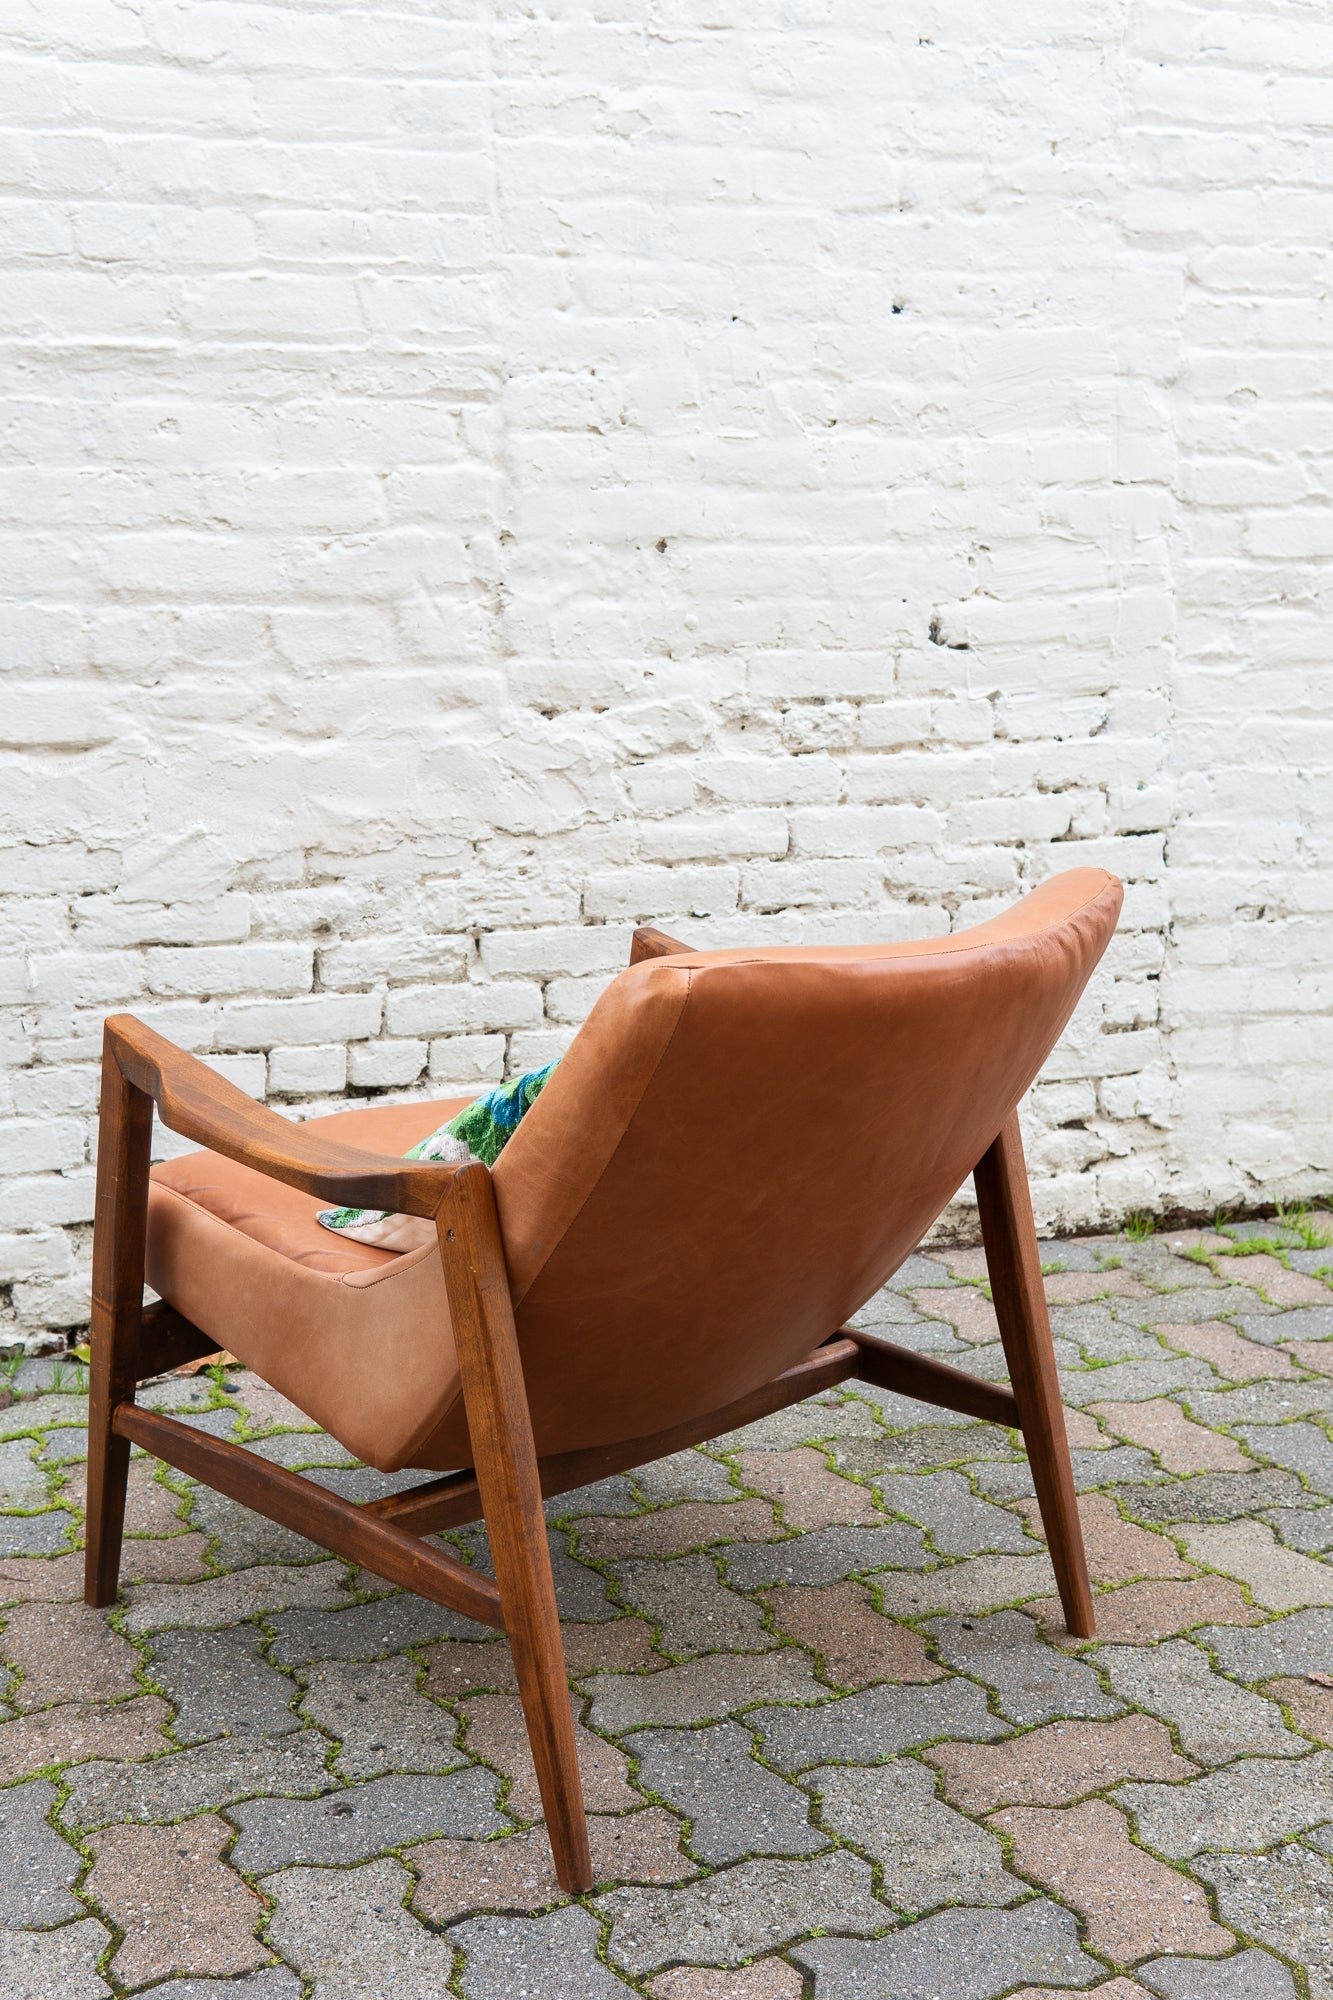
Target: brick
<point>1056,1764</point>
<point>856,1643</point>
<point>1164,1429</point>
<point>66,1652</point>
<point>1214,1720</point>
<point>497,1732</point>
<point>358,1821</point>
<point>381,1065</point>
<point>306,1072</point>
<point>519,1873</point>
<point>862,1728</point>
<point>1133,1903</point>
<point>809,1494</point>
<point>740,1911</point>
<point>956,1955</point>
<point>928,1854</point>
<point>180,1907</point>
<point>1249,1805</point>
<point>1033,1682</point>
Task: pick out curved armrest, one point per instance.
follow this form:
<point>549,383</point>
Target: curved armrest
<point>650,943</point>
<point>193,1100</point>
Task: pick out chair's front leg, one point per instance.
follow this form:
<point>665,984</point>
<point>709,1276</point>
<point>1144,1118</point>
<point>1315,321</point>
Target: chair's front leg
<point>505,1457</point>
<point>119,1227</point>
<point>1014,1263</point>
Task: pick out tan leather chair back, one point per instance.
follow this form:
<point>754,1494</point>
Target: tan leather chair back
<point>741,1147</point>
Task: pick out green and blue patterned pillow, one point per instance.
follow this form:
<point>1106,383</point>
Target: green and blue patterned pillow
<point>479,1132</point>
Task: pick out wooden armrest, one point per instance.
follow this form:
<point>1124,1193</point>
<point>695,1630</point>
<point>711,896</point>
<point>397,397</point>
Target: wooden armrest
<point>193,1100</point>
<point>650,943</point>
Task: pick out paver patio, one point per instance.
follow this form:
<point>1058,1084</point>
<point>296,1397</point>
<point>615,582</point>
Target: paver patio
<point>836,1740</point>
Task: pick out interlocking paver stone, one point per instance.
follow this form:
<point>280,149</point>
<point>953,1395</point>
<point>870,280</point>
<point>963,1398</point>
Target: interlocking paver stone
<point>1214,1496</point>
<point>37,1867</point>
<point>1303,1448</point>
<point>210,1774</point>
<point>1117,1550</point>
<point>1308,1529</point>
<point>1249,1975</point>
<point>958,1523</point>
<point>1133,1903</point>
<point>1154,1610</point>
<point>957,1955</point>
<point>857,1643</point>
<point>1135,1381</point>
<point>965,1307</point>
<point>1282,1900</point>
<point>929,1854</point>
<point>75,1731</point>
<point>367,1631</point>
<point>180,1907</point>
<point>362,1820</point>
<point>735,1806</point>
<point>700,1690</point>
<point>1179,1444</point>
<point>461,1666</point>
<point>1248,1806</point>
<point>580,1593</point>
<point>1316,1355</point>
<point>1312,1706</point>
<point>976,1584</point>
<point>810,1495</point>
<point>519,1874</point>
<point>36,1965</point>
<point>223,1600</point>
<point>1214,1719</point>
<point>497,1732</point>
<point>275,1982</point>
<point>1279,1578</point>
<point>740,1911</point>
<point>554,1956</point>
<point>1239,1360</point>
<point>697,1614</point>
<point>1102,1336</point>
<point>1056,1764</point>
<point>671,1531</point>
<point>151,1506</point>
<point>923,1449</point>
<point>1260,1403</point>
<point>263,1404</point>
<point>220,1685</point>
<point>864,1728</point>
<point>826,1556</point>
<point>803,1423</point>
<point>769,1979</point>
<point>243,1537</point>
<point>1314,1322</point>
<point>374,1711</point>
<point>1033,1682</point>
<point>22,1481</point>
<point>347,1931</point>
<point>1301,1644</point>
<point>1095,1466</point>
<point>66,1653</point>
<point>685,1475</point>
<point>34,1534</point>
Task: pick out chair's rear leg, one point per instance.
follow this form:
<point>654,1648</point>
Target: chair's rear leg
<point>120,1222</point>
<point>506,1463</point>
<point>1014,1263</point>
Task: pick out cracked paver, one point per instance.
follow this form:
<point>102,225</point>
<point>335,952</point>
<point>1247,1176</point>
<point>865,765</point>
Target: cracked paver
<point>852,1688</point>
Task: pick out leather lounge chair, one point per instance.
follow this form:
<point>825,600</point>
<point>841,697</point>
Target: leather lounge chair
<point>738,1150</point>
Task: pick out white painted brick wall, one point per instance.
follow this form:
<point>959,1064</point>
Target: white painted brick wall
<point>476,477</point>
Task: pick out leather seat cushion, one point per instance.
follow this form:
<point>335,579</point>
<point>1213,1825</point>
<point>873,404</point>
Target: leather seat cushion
<point>359,1338</point>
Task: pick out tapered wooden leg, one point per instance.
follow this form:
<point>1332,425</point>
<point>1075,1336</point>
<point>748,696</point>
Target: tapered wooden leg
<point>1014,1262</point>
<point>505,1457</point>
<point>119,1225</point>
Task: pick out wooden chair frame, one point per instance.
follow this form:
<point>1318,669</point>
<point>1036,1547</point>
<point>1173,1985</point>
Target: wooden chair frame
<point>131,1344</point>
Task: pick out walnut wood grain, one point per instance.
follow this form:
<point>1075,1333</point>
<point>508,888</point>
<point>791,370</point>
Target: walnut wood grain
<point>1014,1263</point>
<point>168,1340</point>
<point>313,1511</point>
<point>890,1366</point>
<point>648,942</point>
<point>193,1100</point>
